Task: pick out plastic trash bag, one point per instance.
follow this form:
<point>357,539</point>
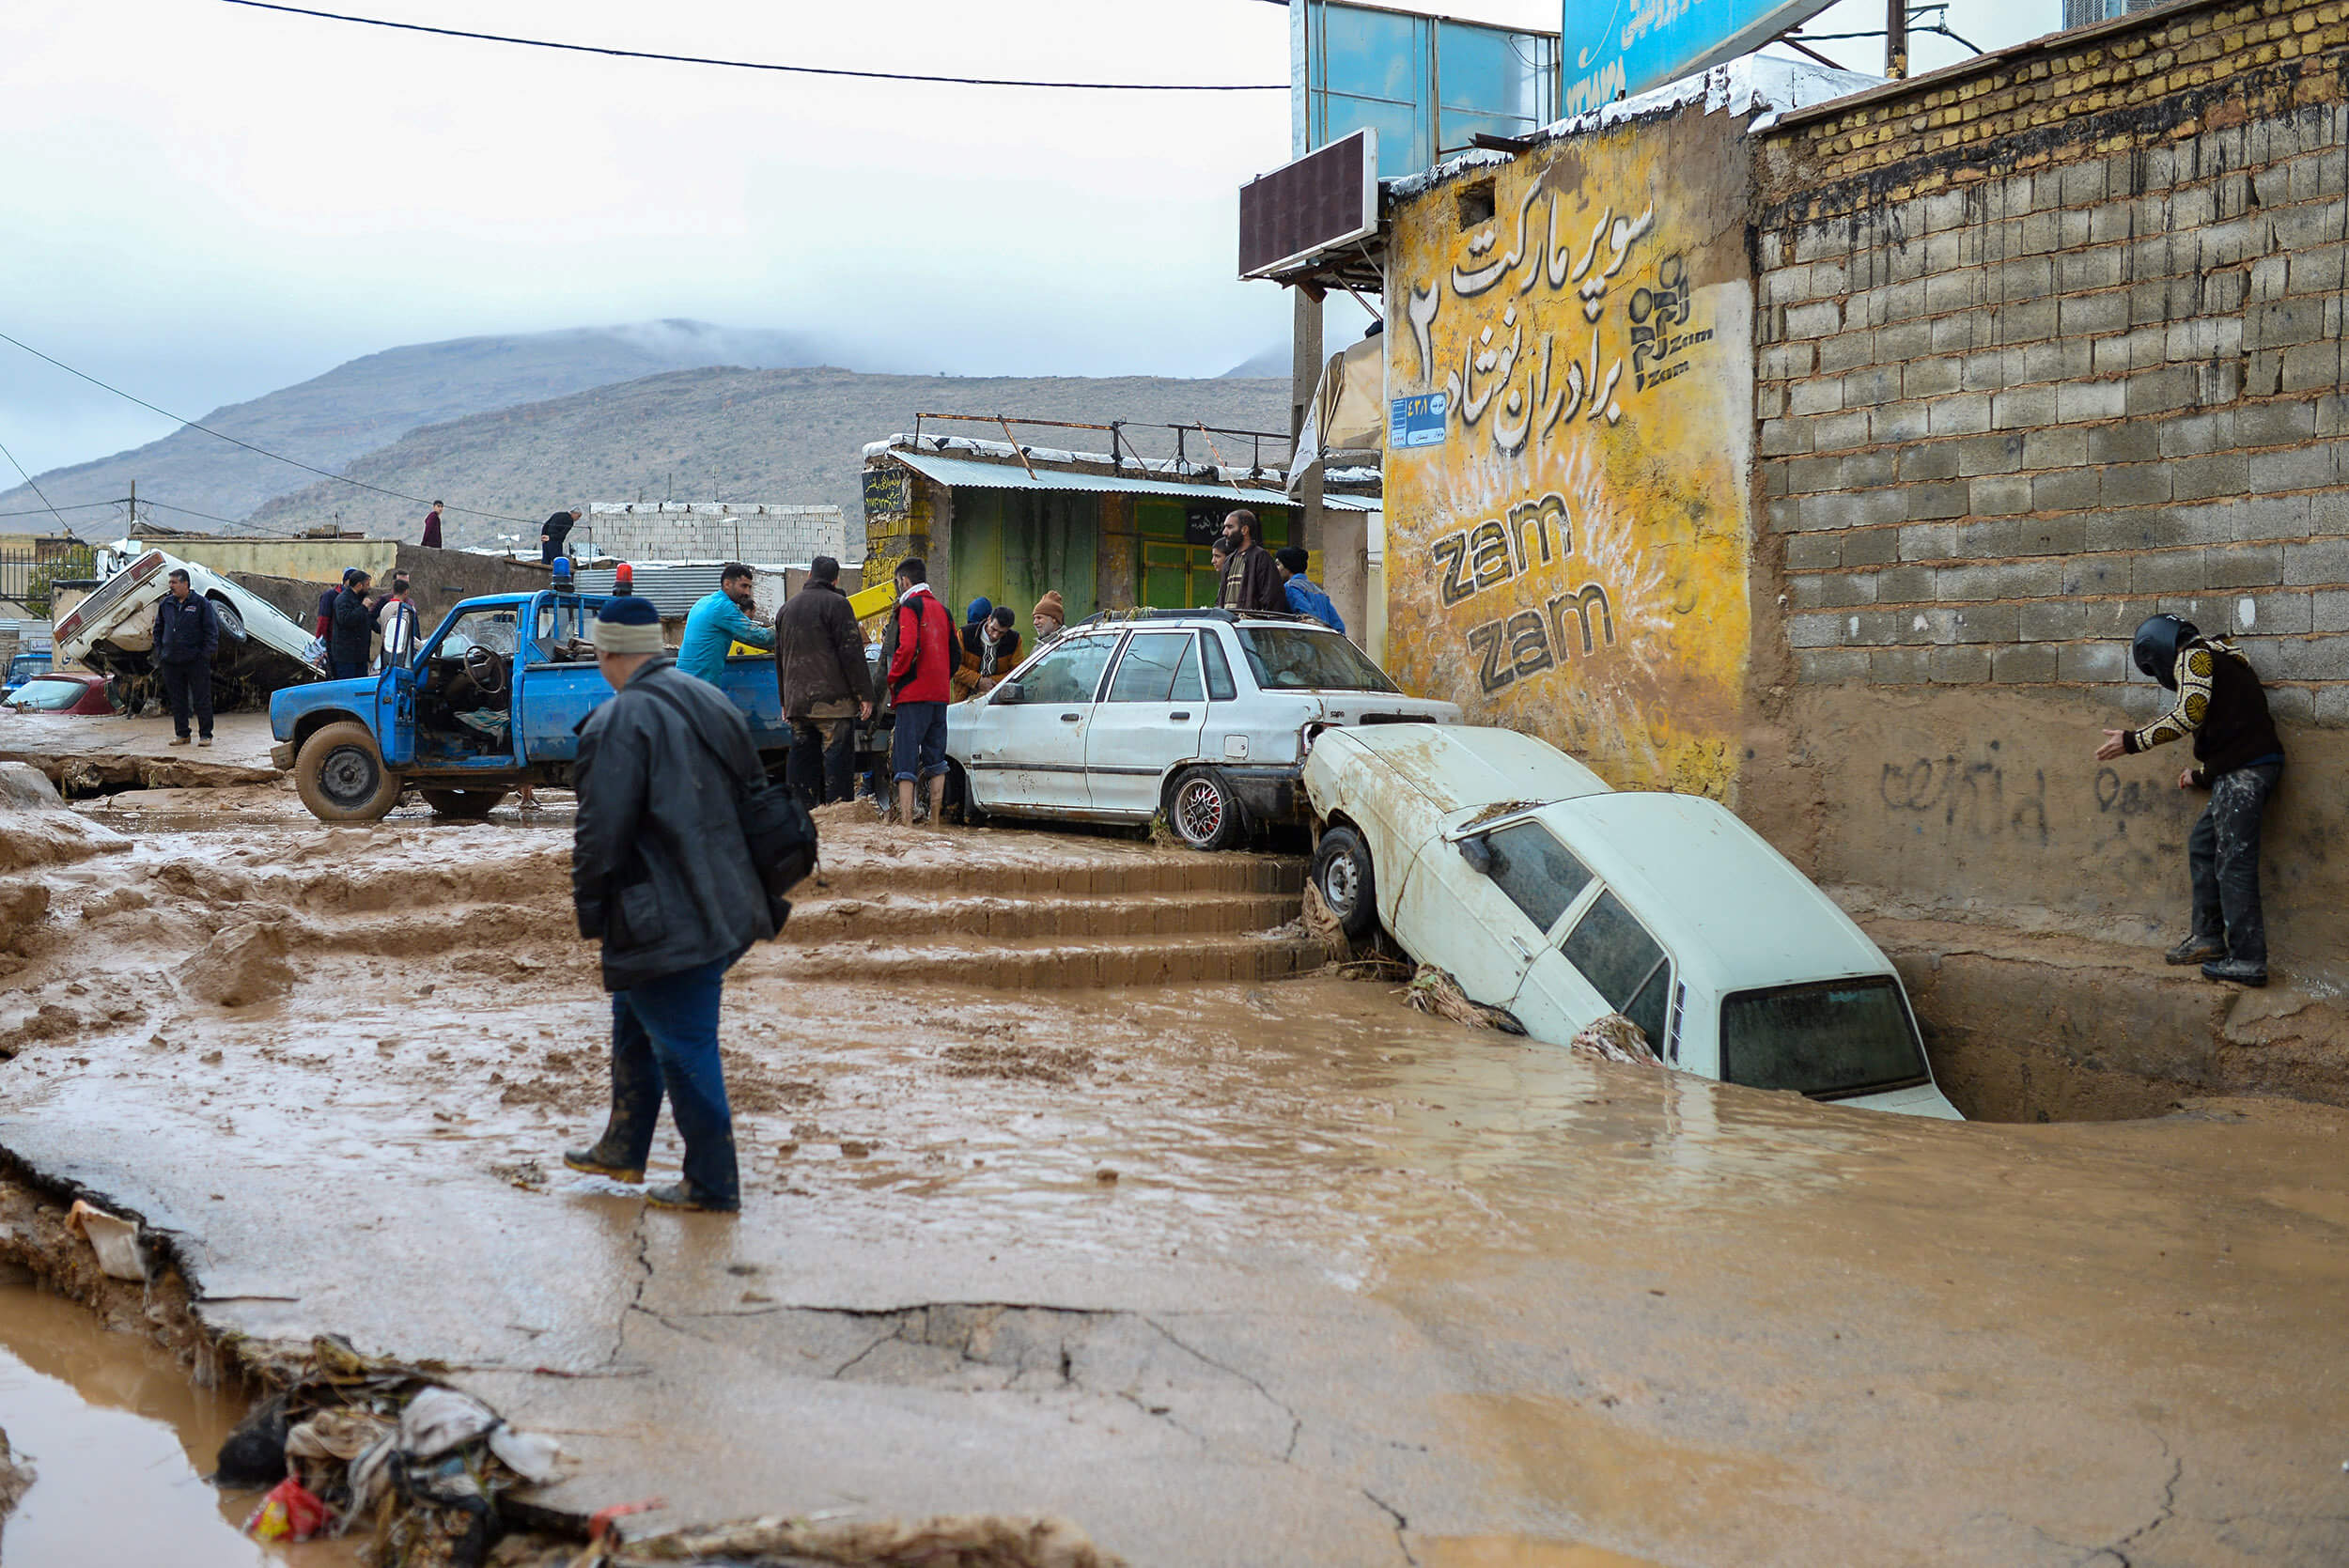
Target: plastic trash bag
<point>341,1432</point>
<point>289,1513</point>
<point>529,1454</point>
<point>114,1240</point>
<point>439,1420</point>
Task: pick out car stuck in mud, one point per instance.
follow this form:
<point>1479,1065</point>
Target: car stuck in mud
<point>1496,856</point>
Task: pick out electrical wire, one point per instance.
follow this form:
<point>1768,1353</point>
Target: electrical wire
<point>51,511</point>
<point>759,65</point>
<point>279,457</point>
<point>37,490</point>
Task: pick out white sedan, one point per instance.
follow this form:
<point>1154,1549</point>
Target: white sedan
<point>1501,859</point>
<point>1202,714</point>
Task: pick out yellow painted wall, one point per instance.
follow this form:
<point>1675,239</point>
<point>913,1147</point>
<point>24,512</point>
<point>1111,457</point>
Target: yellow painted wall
<point>1571,558</point>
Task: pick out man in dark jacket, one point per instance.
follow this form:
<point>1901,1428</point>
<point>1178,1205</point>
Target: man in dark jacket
<point>1251,580</point>
<point>432,527</point>
<point>2239,759</point>
<point>661,874</point>
<point>350,641</point>
<point>554,531</point>
<point>187,634</point>
<point>819,668</point>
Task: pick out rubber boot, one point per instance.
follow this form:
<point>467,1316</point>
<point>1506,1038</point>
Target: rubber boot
<point>905,802</point>
<point>938,801</point>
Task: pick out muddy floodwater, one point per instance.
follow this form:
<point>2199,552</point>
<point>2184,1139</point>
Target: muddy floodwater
<point>119,1441</point>
<point>1070,1187</point>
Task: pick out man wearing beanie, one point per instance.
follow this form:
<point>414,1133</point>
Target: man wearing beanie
<point>661,875</point>
<point>1049,619</point>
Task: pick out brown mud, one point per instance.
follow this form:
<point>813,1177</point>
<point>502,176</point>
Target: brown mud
<point>1227,1271</point>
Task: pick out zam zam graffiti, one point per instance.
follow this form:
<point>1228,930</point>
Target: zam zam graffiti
<point>1549,396</point>
<point>1476,560</point>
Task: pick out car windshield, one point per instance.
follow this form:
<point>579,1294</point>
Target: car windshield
<point>1295,658</point>
<point>47,695</point>
<point>1843,1037</point>
<point>497,631</point>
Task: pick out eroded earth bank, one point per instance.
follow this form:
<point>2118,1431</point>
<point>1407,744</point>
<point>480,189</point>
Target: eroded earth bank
<point>1071,1188</point>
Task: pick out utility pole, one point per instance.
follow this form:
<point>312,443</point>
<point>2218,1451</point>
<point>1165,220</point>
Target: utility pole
<point>133,529</point>
<point>1896,38</point>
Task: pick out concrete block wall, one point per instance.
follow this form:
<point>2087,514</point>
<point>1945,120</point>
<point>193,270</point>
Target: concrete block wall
<point>2054,344</point>
<point>711,530</point>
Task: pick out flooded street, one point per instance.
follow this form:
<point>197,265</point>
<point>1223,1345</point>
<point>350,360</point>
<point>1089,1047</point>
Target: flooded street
<point>1069,1188</point>
<point>120,1443</point>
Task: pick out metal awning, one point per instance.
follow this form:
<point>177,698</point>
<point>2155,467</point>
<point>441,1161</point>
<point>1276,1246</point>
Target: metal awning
<point>968,472</point>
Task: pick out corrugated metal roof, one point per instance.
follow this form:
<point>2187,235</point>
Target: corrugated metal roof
<point>1009,477</point>
<point>673,590</point>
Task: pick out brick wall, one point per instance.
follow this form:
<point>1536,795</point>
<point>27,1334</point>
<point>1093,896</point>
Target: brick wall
<point>710,530</point>
<point>2054,342</point>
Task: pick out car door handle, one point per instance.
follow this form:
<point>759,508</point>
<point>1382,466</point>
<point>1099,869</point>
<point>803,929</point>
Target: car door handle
<point>1173,717</point>
<point>1072,718</point>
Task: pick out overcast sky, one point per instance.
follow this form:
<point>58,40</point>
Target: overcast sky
<point>206,202</point>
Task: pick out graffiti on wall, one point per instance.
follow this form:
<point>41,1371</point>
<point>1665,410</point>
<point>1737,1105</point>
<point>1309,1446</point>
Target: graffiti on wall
<point>1569,557</point>
<point>895,520</point>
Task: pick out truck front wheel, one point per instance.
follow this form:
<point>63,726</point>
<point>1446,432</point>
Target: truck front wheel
<point>342,777</point>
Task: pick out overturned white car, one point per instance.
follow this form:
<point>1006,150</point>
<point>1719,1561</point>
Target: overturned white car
<point>113,632</point>
<point>1501,859</point>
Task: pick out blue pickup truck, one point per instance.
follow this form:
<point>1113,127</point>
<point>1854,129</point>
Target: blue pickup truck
<point>492,699</point>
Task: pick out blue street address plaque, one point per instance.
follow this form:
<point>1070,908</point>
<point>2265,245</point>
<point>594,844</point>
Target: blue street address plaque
<point>1415,421</point>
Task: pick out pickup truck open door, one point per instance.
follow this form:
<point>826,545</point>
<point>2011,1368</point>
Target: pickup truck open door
<point>396,715</point>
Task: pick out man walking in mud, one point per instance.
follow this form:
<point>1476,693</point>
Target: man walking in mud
<point>661,875</point>
<point>820,667</point>
<point>2239,759</point>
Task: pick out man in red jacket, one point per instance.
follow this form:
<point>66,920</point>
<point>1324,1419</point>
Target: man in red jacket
<point>919,676</point>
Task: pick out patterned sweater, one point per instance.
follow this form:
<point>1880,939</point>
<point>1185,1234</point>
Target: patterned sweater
<point>2221,704</point>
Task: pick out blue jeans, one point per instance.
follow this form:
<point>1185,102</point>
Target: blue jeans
<point>664,1037</point>
<point>346,669</point>
<point>918,744</point>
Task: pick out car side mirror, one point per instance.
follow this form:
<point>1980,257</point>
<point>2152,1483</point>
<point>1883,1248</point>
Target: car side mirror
<point>1478,854</point>
<point>1010,692</point>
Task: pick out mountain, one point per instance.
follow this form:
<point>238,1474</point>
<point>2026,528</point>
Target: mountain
<point>789,436</point>
<point>359,406</point>
<point>1276,360</point>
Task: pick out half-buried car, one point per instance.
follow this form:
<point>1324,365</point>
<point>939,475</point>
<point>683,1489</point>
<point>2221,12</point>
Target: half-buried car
<point>1205,715</point>
<point>1497,857</point>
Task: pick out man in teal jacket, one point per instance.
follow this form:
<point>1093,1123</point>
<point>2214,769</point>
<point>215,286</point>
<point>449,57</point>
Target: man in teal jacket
<point>719,622</point>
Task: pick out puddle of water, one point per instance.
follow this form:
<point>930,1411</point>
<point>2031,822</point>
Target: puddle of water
<point>119,1441</point>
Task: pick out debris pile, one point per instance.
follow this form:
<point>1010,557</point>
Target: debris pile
<point>358,1442</point>
<point>950,1541</point>
<point>16,1478</point>
<point>1435,992</point>
<point>1613,1037</point>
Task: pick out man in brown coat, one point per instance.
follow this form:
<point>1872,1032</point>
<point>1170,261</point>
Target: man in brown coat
<point>820,665</point>
<point>1251,580</point>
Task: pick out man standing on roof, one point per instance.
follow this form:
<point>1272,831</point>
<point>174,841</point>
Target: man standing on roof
<point>2222,706</point>
<point>432,527</point>
<point>553,532</point>
<point>1251,580</point>
<point>920,672</point>
<point>719,622</point>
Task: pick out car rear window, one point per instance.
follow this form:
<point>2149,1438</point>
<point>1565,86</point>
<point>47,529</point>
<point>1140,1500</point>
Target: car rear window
<point>1622,963</point>
<point>1293,658</point>
<point>1539,873</point>
<point>47,695</point>
<point>1843,1037</point>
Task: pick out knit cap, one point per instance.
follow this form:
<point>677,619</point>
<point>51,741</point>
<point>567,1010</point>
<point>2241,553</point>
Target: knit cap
<point>630,625</point>
<point>981,608</point>
<point>1050,605</point>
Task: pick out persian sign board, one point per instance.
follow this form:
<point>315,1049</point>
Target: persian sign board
<point>1612,48</point>
<point>1570,558</point>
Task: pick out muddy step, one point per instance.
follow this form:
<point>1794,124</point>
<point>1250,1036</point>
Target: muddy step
<point>970,863</point>
<point>891,916</point>
<point>1063,966</point>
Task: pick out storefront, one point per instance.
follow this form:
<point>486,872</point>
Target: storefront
<point>1105,537</point>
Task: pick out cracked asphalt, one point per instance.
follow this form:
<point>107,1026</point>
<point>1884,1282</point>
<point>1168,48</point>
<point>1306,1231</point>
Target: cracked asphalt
<point>1228,1274</point>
